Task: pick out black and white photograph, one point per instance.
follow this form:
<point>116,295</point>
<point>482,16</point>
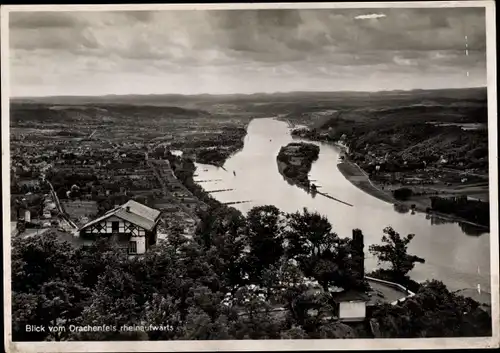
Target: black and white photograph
<point>250,176</point>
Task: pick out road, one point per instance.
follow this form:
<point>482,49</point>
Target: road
<point>59,207</point>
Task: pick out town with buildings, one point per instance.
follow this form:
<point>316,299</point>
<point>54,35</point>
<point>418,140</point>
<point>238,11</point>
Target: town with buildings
<point>61,179</point>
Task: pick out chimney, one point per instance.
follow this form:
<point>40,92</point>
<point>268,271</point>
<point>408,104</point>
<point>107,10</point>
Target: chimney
<point>127,208</point>
<point>358,251</point>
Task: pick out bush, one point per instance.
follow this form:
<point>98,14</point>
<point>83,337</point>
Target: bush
<point>471,210</point>
<point>402,194</point>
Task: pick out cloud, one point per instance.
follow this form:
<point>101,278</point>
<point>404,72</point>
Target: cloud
<point>370,16</point>
<point>225,49</point>
<point>43,20</point>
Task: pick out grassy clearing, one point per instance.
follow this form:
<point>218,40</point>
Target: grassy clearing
<point>359,179</point>
<point>77,209</point>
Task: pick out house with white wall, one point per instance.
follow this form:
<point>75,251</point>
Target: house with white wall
<point>132,226</point>
<point>351,305</point>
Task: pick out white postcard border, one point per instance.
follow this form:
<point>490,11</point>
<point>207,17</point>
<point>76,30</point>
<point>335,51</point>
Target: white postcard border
<point>256,345</point>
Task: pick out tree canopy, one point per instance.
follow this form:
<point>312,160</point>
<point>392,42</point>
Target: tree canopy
<point>238,277</point>
<point>394,250</point>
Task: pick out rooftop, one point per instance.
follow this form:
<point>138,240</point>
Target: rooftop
<point>133,212</point>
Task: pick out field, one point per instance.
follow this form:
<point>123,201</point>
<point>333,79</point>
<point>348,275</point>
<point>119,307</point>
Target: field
<point>80,210</point>
<point>359,178</point>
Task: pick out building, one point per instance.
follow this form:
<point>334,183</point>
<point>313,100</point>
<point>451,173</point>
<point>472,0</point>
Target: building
<point>351,305</point>
<point>132,226</point>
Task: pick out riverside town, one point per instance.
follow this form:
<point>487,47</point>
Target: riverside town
<point>250,175</point>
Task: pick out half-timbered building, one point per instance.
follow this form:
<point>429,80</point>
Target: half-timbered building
<point>132,226</point>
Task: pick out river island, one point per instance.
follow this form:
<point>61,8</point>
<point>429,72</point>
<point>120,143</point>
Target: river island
<point>295,161</point>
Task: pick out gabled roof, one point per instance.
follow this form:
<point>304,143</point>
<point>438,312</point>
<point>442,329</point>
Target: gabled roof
<point>142,210</point>
<point>133,212</point>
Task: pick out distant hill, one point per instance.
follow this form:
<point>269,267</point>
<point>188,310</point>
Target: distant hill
<point>177,99</point>
<point>320,109</point>
<point>44,112</point>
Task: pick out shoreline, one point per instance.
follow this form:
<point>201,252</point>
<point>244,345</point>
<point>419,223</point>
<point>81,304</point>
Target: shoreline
<point>238,148</point>
<point>358,177</point>
<point>281,167</point>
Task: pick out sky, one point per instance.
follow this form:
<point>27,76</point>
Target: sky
<point>245,51</point>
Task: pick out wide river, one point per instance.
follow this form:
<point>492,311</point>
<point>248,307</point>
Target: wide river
<point>461,261</point>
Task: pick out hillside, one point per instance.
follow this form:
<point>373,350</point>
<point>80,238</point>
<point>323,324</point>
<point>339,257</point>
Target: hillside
<point>21,113</point>
<point>281,103</point>
<point>429,145</point>
<point>165,99</point>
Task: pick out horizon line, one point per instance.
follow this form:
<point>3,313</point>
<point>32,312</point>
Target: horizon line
<point>243,94</point>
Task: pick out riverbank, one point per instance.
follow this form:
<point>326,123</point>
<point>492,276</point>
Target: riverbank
<point>354,174</point>
<point>230,143</point>
<point>359,178</point>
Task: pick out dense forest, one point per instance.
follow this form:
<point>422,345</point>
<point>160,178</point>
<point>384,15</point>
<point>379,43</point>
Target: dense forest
<point>472,210</point>
<point>214,151</point>
<point>239,277</point>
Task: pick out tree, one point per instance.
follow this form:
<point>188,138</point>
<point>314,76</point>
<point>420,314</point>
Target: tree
<point>46,286</point>
<point>336,330</point>
<point>221,236</point>
<point>36,261</point>
<point>163,310</point>
<point>433,312</point>
<point>343,266</point>
<point>199,326</point>
<point>308,234</point>
<point>253,317</point>
<point>320,252</point>
<point>395,251</point>
<point>265,240</point>
<point>114,302</point>
<point>198,288</point>
<point>312,308</point>
<point>295,332</point>
<point>61,193</point>
<point>292,286</point>
<point>94,259</point>
<point>206,300</point>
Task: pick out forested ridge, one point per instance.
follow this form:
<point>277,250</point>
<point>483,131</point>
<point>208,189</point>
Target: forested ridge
<point>239,277</point>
